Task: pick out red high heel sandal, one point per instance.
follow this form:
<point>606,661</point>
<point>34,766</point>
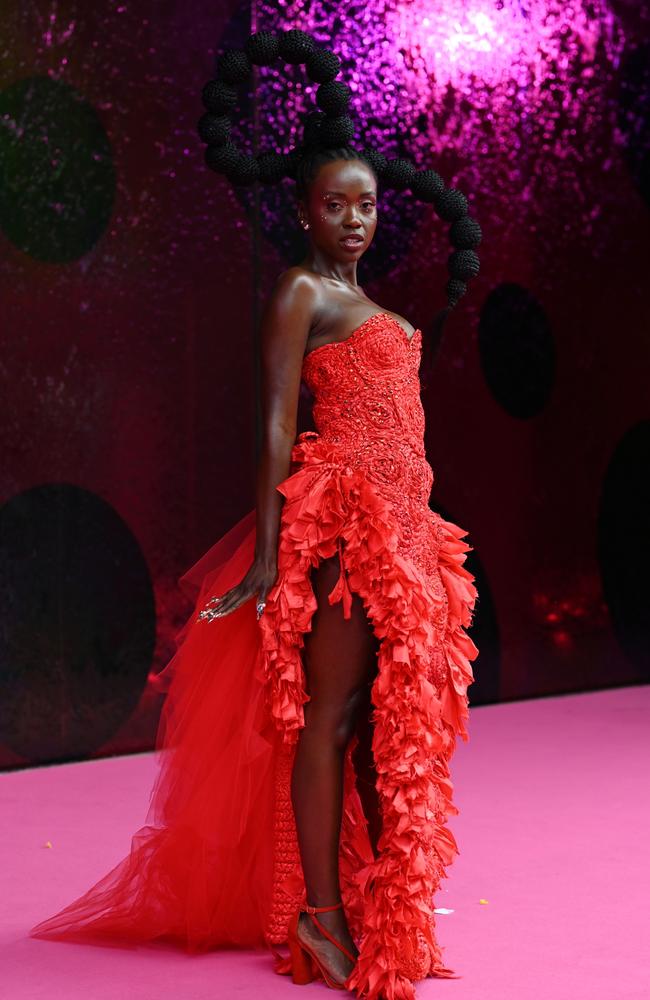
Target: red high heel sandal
<point>305,964</point>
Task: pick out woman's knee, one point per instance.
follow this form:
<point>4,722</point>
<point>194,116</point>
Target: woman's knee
<point>335,720</point>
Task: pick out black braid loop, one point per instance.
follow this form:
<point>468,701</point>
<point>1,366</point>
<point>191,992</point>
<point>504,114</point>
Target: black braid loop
<point>329,127</point>
<point>234,66</point>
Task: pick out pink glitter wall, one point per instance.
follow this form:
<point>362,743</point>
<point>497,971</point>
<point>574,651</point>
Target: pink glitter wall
<point>126,282</point>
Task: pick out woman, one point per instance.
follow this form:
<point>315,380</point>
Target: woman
<point>304,792</point>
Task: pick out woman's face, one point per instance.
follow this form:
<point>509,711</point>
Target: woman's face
<point>341,209</point>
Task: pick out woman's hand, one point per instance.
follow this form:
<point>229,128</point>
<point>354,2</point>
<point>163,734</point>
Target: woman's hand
<point>259,579</point>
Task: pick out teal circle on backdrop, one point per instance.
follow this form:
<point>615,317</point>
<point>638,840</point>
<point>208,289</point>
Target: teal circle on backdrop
<point>57,178</point>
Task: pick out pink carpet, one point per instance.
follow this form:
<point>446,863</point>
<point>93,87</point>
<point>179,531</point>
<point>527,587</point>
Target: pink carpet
<point>553,833</point>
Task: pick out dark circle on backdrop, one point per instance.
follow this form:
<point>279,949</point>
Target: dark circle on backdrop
<point>78,622</point>
<point>517,350</point>
<point>399,213</point>
<point>634,114</point>
<point>484,630</point>
<point>57,179</point>
<point>623,544</point>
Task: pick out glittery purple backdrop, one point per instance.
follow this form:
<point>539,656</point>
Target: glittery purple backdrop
<point>128,291</point>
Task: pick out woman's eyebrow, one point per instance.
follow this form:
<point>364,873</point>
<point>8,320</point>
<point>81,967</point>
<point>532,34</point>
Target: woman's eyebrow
<point>343,195</point>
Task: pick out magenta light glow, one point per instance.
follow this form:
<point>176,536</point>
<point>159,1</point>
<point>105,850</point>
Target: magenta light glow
<point>470,42</point>
<point>512,98</point>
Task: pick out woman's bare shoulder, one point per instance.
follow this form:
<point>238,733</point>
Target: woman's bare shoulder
<point>293,301</point>
<point>295,290</point>
<point>296,278</point>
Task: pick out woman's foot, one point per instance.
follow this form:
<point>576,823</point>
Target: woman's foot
<point>337,964</point>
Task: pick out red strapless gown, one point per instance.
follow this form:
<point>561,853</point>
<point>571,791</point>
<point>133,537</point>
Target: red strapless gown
<point>217,863</point>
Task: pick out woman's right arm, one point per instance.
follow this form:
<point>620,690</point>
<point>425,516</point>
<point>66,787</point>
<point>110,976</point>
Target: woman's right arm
<point>285,328</point>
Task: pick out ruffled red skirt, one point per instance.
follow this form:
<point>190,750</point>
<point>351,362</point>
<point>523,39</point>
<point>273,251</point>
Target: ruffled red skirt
<point>216,864</point>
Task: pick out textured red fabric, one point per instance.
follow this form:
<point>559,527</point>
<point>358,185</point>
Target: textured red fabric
<point>217,862</point>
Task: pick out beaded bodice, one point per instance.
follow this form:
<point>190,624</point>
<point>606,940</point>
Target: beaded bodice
<point>367,405</point>
<point>367,401</point>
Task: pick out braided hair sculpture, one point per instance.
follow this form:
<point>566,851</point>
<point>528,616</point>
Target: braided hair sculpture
<point>327,135</point>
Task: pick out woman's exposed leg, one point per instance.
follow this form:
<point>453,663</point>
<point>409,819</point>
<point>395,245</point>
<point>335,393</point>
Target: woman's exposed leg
<point>340,656</point>
<point>364,766</point>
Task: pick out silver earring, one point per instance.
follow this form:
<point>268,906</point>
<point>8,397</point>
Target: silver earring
<point>305,225</point>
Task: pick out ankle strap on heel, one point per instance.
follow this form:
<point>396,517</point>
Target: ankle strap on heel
<point>311,910</point>
<point>321,909</point>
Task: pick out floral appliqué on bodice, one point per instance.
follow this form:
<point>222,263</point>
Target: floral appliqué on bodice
<point>367,403</point>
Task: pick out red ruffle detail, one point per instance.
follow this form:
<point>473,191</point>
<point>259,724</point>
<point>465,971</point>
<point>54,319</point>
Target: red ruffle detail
<point>330,507</point>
